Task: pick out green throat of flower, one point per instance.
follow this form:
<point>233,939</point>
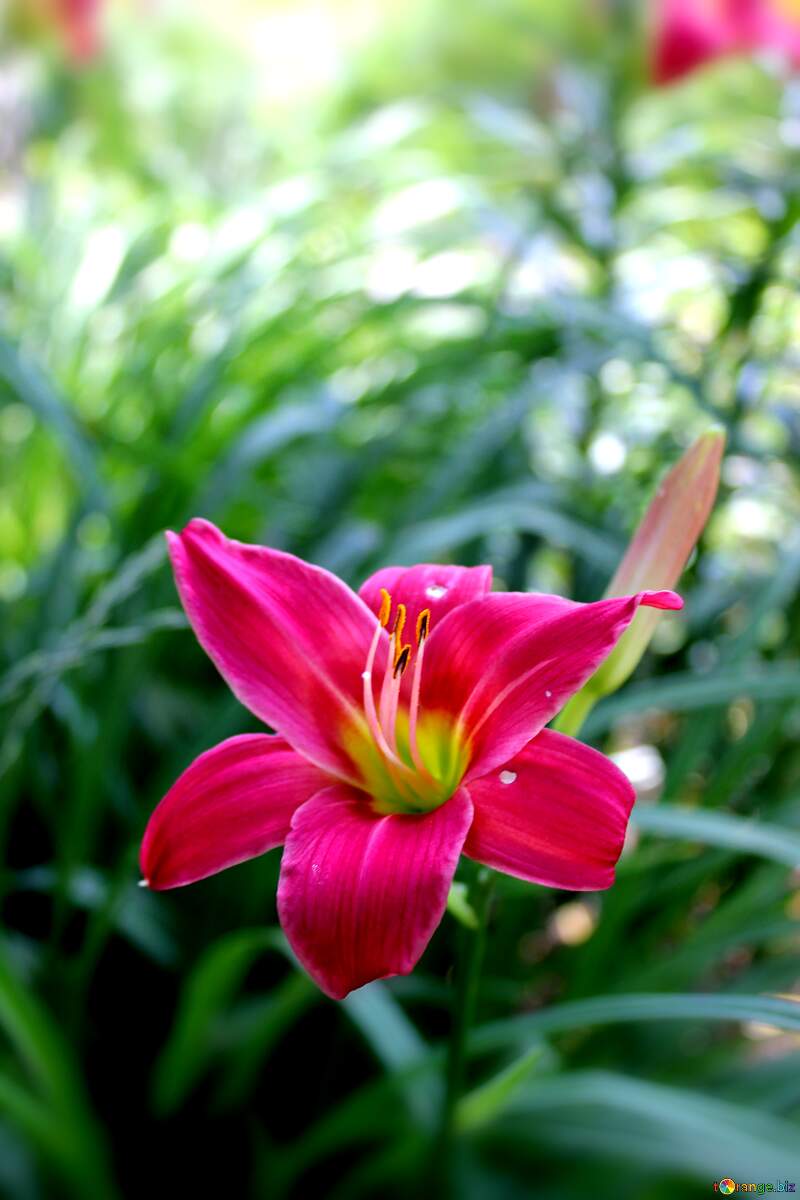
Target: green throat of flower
<point>410,761</point>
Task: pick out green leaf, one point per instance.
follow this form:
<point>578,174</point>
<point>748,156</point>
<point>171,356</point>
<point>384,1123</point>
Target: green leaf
<point>501,512</point>
<point>58,1118</point>
<point>684,692</point>
<point>686,1132</point>
<point>210,987</point>
<point>720,829</point>
<point>609,1010</point>
<point>394,1040</point>
<point>31,386</point>
<point>483,1104</point>
<point>459,907</point>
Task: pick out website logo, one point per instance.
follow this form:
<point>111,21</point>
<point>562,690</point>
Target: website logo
<point>727,1187</point>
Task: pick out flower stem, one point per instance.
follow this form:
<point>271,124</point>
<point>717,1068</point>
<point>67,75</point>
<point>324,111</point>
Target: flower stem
<point>472,946</point>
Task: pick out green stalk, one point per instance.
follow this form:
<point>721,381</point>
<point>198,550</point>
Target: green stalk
<point>575,712</point>
<point>472,943</point>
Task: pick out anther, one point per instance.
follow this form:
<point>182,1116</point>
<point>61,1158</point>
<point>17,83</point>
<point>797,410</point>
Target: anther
<point>399,623</point>
<point>401,662</point>
<point>386,608</point>
<point>423,624</point>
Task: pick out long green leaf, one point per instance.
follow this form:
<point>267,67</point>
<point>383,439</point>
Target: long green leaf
<point>207,991</point>
<point>689,693</point>
<point>395,1041</point>
<point>688,1132</point>
<point>609,1010</point>
<point>720,829</point>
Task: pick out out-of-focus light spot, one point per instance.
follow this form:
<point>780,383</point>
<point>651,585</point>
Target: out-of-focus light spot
<point>349,384</point>
<point>209,336</point>
<point>652,281</point>
<point>670,635</point>
<point>616,376</point>
<point>544,269</point>
<point>739,471</point>
<point>13,581</point>
<point>789,132</point>
<point>445,274</point>
<point>754,518</point>
<point>643,766</point>
<point>740,717</point>
<point>607,453</point>
<point>573,923</point>
<point>390,273</point>
<point>291,196</point>
<point>101,261</point>
<point>440,321</point>
<point>773,629</point>
<point>16,423</point>
<point>300,49</point>
<point>390,125</point>
<point>418,204</point>
<point>240,230</point>
<point>190,243</point>
<point>12,212</point>
<point>757,1031</point>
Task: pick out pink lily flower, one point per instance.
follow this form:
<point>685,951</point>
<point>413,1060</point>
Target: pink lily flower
<point>410,726</point>
<point>690,33</point>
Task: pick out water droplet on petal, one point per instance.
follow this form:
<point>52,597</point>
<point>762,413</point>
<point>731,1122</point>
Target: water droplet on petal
<point>548,694</point>
<point>366,674</point>
<point>508,776</point>
<point>435,591</point>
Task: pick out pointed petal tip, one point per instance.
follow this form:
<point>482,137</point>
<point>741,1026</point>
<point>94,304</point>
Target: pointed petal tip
<point>666,600</point>
<point>711,443</point>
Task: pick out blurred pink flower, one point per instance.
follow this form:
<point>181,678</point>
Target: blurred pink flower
<point>392,755</point>
<point>689,33</point>
<point>79,21</point>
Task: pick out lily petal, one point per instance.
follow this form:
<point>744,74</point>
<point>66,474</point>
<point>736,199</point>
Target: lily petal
<point>234,802</point>
<point>503,666</point>
<point>290,639</point>
<point>429,585</point>
<point>556,814</point>
<point>360,894</point>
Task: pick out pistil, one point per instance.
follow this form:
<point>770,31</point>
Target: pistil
<point>423,625</point>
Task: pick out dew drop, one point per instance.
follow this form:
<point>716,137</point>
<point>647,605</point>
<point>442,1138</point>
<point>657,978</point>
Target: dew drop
<point>366,674</point>
<point>508,776</point>
<point>548,694</point>
<point>435,591</point>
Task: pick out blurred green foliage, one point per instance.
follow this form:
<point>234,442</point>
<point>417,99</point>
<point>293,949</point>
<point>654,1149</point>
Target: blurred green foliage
<point>431,282</point>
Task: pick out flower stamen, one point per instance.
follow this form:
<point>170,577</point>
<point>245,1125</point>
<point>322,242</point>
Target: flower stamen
<point>423,626</point>
<point>382,719</point>
<point>369,704</point>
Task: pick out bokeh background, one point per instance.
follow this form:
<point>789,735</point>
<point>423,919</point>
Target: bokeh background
<point>377,283</point>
